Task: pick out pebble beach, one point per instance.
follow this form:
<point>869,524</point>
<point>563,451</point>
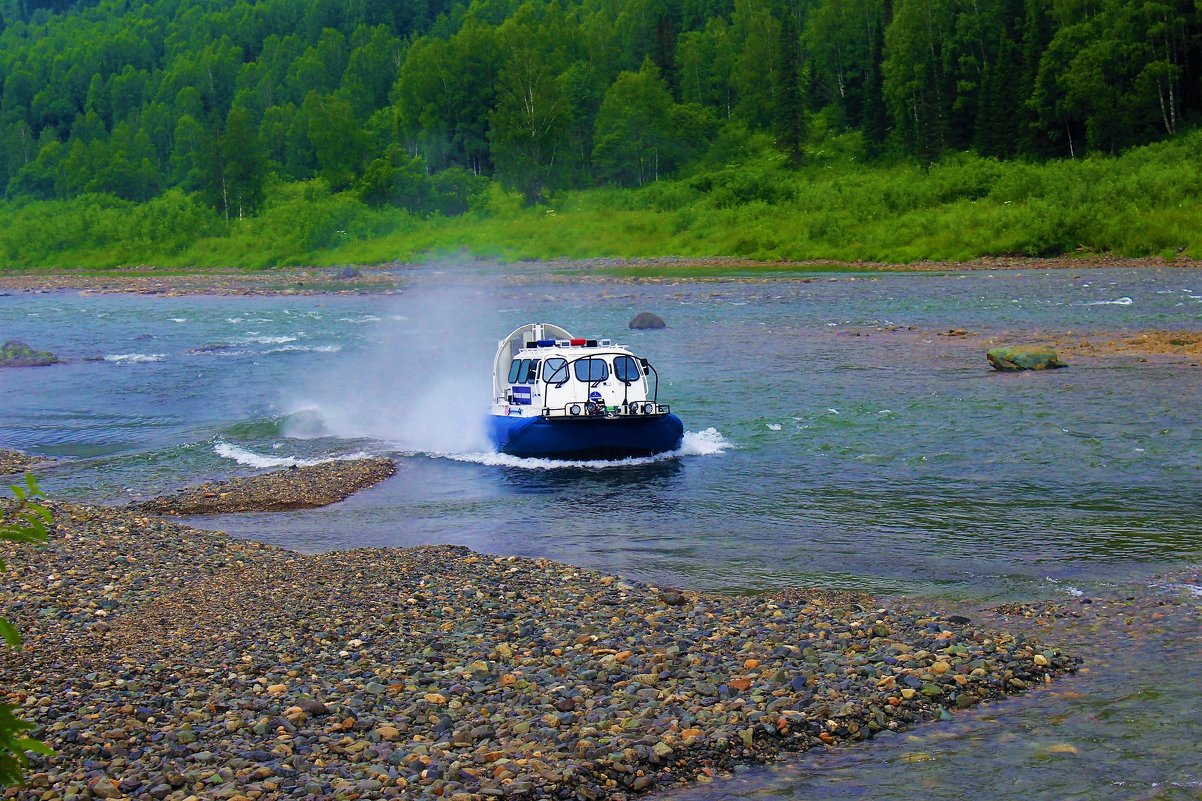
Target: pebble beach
<point>162,661</point>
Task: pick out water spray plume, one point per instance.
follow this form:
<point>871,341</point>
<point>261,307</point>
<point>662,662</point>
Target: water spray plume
<point>421,385</point>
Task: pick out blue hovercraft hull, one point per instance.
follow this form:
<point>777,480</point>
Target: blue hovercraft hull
<point>586,437</point>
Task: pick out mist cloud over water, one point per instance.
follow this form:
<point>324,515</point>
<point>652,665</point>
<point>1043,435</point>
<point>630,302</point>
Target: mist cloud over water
<point>421,384</point>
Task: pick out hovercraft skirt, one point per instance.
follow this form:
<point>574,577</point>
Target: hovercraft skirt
<point>586,438</point>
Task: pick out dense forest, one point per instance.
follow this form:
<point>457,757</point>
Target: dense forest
<point>424,105</point>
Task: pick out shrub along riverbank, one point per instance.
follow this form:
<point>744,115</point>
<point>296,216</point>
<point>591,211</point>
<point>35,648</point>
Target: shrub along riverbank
<point>1144,202</point>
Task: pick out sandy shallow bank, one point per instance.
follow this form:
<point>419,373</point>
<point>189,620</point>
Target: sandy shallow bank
<point>391,277</point>
<point>167,662</point>
<point>300,487</point>
<point>1153,346</point>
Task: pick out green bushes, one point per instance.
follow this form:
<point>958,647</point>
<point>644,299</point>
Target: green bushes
<point>23,521</point>
<point>1146,202</point>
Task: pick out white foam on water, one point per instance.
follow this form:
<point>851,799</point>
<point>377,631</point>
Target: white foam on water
<point>305,349</point>
<point>135,358</point>
<point>245,456</point>
<point>1068,588</point>
<point>269,340</point>
<point>1124,301</point>
<point>366,318</point>
<point>774,426</point>
<point>708,442</point>
<point>179,319</point>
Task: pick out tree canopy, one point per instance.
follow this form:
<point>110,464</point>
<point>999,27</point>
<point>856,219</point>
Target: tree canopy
<point>221,98</point>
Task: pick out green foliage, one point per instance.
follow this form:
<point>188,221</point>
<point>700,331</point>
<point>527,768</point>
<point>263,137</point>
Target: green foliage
<point>634,128</point>
<point>185,132</point>
<point>745,198</point>
<point>24,521</point>
<point>229,98</point>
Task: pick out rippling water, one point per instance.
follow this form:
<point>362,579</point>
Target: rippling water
<point>895,462</point>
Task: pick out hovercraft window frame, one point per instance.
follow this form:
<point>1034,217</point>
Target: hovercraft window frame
<point>587,375</point>
<point>553,367</point>
<point>630,371</point>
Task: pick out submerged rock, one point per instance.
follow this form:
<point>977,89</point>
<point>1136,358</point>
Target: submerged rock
<point>647,320</point>
<point>1023,357</point>
<point>213,347</point>
<point>15,353</point>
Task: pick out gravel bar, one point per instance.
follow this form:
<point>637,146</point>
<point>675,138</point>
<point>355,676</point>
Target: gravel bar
<point>168,662</point>
<point>301,487</point>
<point>15,462</point>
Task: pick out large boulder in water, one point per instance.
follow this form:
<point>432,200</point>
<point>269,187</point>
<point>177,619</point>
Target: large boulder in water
<point>1023,357</point>
<point>15,353</point>
<point>645,320</point>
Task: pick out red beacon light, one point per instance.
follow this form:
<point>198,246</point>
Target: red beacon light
<point>578,343</point>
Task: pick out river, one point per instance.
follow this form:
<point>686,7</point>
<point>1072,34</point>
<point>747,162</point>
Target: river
<point>834,439</point>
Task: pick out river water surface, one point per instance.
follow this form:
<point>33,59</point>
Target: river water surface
<point>823,448</point>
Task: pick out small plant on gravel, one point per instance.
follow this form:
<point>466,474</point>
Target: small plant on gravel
<point>23,521</point>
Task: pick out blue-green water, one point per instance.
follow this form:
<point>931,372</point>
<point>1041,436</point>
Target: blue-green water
<point>895,462</point>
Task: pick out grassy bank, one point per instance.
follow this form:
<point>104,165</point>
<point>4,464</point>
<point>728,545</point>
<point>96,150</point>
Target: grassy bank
<point>1146,202</point>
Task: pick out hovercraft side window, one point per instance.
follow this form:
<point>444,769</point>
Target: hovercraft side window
<point>555,370</point>
<point>591,370</point>
<point>532,371</point>
<point>515,369</point>
<point>627,369</point>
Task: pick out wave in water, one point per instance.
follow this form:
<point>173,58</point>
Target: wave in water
<point>269,340</point>
<point>135,358</point>
<point>247,457</point>
<point>1120,302</point>
<point>305,349</point>
<point>709,442</point>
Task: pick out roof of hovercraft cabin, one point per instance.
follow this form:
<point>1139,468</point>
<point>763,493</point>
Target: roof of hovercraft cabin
<point>545,340</point>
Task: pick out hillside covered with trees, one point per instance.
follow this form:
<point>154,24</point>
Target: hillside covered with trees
<point>204,115</point>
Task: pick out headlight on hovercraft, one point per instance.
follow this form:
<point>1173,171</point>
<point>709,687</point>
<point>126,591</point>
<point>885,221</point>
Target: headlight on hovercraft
<point>574,410</point>
<point>648,408</point>
<point>632,408</point>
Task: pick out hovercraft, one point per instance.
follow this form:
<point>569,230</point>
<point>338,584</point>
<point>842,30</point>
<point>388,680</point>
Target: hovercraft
<point>560,397</point>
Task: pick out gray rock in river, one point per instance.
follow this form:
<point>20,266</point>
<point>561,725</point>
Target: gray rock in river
<point>15,353</point>
<point>646,320</point>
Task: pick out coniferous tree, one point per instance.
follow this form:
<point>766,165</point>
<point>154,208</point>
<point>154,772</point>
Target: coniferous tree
<point>664,53</point>
<point>790,105</point>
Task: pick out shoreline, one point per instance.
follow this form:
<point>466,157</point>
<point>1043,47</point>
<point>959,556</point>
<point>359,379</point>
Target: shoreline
<point>185,662</point>
<point>15,463</point>
<point>389,277</point>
